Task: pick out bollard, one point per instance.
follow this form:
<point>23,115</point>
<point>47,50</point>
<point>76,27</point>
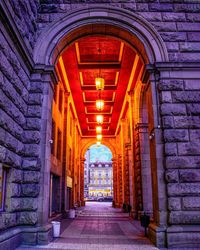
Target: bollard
<point>145,220</point>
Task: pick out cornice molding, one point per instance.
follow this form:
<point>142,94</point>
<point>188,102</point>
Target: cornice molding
<point>174,66</point>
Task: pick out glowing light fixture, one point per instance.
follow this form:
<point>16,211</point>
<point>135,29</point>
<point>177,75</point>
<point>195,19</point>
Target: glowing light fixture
<point>99,82</point>
<point>100,104</point>
<point>99,119</point>
<point>98,143</point>
<point>98,129</point>
<point>99,137</point>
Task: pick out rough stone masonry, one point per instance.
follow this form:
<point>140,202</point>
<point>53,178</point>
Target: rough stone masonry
<point>22,101</point>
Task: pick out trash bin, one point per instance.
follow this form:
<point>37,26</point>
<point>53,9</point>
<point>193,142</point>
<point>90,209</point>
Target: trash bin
<point>72,213</point>
<point>56,228</point>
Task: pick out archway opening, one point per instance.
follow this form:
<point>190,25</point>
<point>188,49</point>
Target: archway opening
<point>99,51</point>
<point>94,55</point>
<point>98,174</point>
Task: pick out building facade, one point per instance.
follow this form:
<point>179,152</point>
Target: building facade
<point>100,179</point>
<point>86,174</point>
<point>155,140</point>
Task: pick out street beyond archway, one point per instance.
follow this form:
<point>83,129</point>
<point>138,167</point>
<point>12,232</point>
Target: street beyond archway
<point>99,226</point>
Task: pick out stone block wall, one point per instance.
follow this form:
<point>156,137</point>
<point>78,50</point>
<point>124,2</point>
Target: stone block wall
<point>177,22</point>
<point>20,112</point>
<point>24,14</point>
<point>180,98</point>
<point>21,101</point>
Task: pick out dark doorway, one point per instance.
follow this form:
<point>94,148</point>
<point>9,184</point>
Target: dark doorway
<point>69,198</point>
<point>55,195</point>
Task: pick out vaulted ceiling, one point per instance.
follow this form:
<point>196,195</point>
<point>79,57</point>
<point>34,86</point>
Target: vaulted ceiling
<point>110,58</point>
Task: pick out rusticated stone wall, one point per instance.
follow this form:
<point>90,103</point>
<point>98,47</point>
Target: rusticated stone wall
<point>21,100</point>
<point>180,110</point>
<point>180,114</point>
<point>24,15</point>
<point>20,117</point>
<point>178,22</point>
<point>19,139</point>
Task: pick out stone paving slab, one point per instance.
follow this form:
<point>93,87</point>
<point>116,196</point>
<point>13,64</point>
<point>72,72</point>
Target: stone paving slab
<point>99,226</point>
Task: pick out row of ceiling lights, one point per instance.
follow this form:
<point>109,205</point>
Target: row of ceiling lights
<point>99,82</point>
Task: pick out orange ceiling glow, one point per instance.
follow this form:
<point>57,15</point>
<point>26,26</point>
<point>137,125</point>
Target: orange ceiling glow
<point>119,67</point>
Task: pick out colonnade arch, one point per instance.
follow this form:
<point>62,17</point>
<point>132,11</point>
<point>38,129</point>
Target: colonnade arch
<point>90,142</point>
<point>86,144</point>
<point>144,39</point>
<point>133,28</point>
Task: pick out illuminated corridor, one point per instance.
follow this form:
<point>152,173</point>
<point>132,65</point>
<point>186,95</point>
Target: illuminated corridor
<point>117,75</point>
<point>99,226</point>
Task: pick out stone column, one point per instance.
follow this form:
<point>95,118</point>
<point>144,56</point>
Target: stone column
<point>145,168</point>
<point>119,180</point>
<point>64,164</point>
<point>131,155</point>
<point>126,174</point>
<point>138,179</point>
<point>115,184</point>
<point>82,182</point>
<point>77,183</point>
<point>160,211</point>
<point>74,171</point>
<point>143,172</point>
<point>123,157</point>
<point>43,80</point>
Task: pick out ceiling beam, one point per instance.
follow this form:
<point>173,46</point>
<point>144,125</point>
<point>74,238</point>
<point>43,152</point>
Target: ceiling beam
<point>96,65</point>
<point>93,87</point>
<point>92,103</point>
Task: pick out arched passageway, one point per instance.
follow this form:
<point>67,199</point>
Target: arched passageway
<point>77,73</point>
<point>98,174</point>
<point>81,49</point>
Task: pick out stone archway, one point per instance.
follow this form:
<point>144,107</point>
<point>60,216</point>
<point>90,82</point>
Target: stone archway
<point>90,142</point>
<point>108,21</point>
<point>86,145</point>
<point>133,27</point>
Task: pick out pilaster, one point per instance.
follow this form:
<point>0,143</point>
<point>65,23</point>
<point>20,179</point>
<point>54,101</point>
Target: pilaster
<point>82,202</point>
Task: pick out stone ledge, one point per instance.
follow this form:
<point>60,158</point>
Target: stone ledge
<point>12,238</point>
<point>179,229</point>
<point>183,236</point>
<point>157,235</point>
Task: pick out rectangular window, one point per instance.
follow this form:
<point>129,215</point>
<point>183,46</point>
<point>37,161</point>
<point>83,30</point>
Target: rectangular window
<point>3,177</point>
<point>59,144</point>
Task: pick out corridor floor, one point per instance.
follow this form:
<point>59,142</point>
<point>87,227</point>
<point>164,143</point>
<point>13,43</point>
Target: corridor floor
<point>99,226</point>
